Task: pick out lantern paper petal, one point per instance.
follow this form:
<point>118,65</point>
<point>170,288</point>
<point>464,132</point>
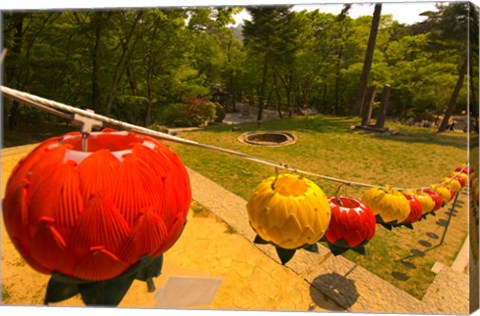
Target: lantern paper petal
<point>70,202</point>
<point>100,223</point>
<point>100,265</point>
<point>146,237</point>
<point>34,166</point>
<point>173,234</point>
<point>44,194</point>
<point>16,211</point>
<point>97,173</point>
<point>135,188</point>
<point>309,235</point>
<point>48,245</point>
<point>291,228</point>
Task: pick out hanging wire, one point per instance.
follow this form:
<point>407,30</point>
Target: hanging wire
<point>56,108</point>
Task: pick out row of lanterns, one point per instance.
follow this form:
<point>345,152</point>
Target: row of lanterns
<point>97,212</point>
<point>292,212</point>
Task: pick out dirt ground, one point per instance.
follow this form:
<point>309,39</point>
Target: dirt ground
<point>208,248</point>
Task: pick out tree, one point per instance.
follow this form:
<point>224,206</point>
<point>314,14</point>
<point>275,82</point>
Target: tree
<point>260,34</point>
<point>450,24</point>
<point>362,86</point>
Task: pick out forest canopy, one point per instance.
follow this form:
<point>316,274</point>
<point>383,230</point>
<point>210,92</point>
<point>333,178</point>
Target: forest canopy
<point>152,66</point>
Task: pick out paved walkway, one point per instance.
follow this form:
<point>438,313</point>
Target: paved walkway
<point>246,113</point>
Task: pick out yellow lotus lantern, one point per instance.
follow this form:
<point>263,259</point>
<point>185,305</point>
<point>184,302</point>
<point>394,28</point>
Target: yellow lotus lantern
<point>389,206</point>
<point>445,193</point>
<point>460,176</point>
<point>426,200</point>
<point>290,212</point>
<point>452,183</point>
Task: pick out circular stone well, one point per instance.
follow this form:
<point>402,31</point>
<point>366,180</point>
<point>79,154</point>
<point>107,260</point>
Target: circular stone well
<point>268,138</point>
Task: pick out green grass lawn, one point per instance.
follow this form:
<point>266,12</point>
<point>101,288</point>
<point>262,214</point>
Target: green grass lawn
<point>413,157</point>
<point>30,132</point>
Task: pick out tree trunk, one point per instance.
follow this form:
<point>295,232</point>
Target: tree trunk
<point>453,98</point>
<point>131,80</point>
<point>288,89</point>
<point>121,65</point>
<point>96,60</point>
<point>367,64</point>
<point>231,76</point>
<point>337,80</point>
<point>269,99</point>
<point>324,99</point>
<point>261,95</point>
<point>277,93</point>
<point>473,112</point>
<point>403,109</point>
<point>11,112</point>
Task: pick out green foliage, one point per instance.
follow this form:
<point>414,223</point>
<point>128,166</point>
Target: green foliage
<point>191,113</point>
<point>134,64</point>
<point>220,113</point>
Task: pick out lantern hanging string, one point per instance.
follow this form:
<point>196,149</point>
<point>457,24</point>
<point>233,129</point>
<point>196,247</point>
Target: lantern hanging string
<point>55,108</point>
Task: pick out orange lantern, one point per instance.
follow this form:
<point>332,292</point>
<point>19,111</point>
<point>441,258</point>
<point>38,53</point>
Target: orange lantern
<point>92,215</point>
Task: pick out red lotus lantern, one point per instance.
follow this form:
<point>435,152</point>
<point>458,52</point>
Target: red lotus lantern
<point>464,168</point>
<point>436,198</point>
<point>352,225</point>
<point>94,215</point>
<point>416,210</point>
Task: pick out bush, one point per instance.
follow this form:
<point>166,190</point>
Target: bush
<point>159,128</point>
<point>192,112</point>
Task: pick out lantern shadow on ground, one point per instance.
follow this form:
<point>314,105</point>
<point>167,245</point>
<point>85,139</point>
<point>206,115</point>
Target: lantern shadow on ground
<point>441,222</point>
<point>417,252</point>
<point>337,287</point>
<point>425,243</point>
<point>399,275</point>
<point>408,264</point>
